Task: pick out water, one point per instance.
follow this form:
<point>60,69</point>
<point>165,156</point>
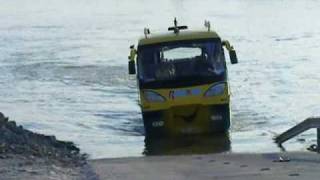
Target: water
<point>64,70</point>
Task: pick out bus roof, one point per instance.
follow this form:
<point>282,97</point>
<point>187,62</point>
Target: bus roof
<point>182,35</point>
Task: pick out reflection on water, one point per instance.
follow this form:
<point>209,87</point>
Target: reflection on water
<point>217,143</point>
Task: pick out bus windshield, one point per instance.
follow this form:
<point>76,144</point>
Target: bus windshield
<point>179,60</point>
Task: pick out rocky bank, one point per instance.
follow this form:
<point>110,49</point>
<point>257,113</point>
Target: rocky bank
<point>25,154</point>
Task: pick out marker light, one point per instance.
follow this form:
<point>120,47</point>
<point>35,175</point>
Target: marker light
<point>153,96</point>
<point>215,90</point>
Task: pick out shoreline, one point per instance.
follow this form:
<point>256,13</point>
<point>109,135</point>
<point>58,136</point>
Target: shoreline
<point>28,155</point>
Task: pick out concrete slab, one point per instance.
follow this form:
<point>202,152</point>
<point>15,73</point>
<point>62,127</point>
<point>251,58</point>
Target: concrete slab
<point>214,166</point>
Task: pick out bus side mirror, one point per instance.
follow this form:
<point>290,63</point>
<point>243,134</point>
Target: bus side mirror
<point>132,67</point>
<point>233,56</point>
<point>232,52</point>
<point>132,57</point>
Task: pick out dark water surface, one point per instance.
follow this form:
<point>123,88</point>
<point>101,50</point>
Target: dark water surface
<point>63,70</point>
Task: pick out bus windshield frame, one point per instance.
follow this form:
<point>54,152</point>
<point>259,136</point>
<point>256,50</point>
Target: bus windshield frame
<point>180,61</point>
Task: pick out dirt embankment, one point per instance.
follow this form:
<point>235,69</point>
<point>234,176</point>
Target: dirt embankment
<point>25,154</point>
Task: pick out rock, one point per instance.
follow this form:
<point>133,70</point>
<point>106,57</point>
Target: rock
<point>3,119</point>
<point>11,125</point>
<point>3,157</point>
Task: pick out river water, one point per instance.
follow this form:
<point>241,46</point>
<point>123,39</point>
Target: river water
<point>63,70</point>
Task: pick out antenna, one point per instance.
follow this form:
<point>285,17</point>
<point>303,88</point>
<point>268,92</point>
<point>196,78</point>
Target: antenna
<point>207,25</point>
<point>146,31</point>
<point>176,29</point>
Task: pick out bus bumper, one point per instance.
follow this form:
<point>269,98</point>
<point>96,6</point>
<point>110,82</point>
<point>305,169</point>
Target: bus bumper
<point>183,120</point>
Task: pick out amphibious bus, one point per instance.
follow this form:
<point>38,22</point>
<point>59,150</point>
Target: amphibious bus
<point>183,81</point>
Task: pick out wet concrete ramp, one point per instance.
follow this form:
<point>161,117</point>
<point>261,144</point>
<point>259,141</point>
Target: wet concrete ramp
<point>217,166</point>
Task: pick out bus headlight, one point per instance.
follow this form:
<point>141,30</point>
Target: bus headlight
<point>215,90</point>
<point>153,96</point>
